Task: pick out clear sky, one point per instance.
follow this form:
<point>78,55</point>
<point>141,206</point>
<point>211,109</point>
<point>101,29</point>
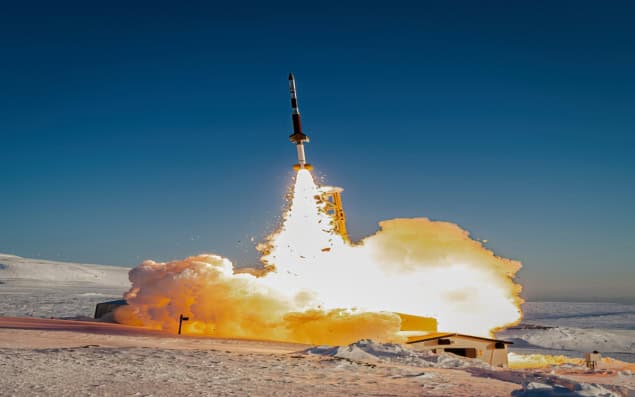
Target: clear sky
<point>160,130</point>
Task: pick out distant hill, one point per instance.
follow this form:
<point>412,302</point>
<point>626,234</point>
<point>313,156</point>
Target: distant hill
<point>15,268</point>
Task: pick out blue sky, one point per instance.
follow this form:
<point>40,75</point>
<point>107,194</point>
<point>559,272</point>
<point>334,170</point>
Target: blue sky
<point>161,130</point>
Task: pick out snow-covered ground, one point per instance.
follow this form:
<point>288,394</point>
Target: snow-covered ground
<point>573,328</point>
<point>53,357</point>
<point>40,288</point>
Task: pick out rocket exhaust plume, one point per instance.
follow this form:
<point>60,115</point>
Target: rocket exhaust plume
<point>349,292</point>
<point>317,287</point>
<point>413,266</point>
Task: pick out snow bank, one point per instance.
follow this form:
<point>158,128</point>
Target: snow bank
<point>368,351</point>
<point>530,383</point>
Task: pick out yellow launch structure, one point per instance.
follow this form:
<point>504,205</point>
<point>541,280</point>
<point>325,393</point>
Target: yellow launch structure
<point>417,324</point>
<point>331,196</point>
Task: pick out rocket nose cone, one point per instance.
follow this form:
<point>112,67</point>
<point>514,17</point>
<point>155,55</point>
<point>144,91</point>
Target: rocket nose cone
<point>291,76</point>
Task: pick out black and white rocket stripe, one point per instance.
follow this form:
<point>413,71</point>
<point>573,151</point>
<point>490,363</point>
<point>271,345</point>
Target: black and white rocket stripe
<point>297,136</point>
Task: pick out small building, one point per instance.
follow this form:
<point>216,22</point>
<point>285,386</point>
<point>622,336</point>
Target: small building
<point>593,359</point>
<point>106,308</point>
<point>492,351</point>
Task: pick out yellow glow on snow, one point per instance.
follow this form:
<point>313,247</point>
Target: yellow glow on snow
<point>518,361</point>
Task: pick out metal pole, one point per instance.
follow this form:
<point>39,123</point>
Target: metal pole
<point>181,319</point>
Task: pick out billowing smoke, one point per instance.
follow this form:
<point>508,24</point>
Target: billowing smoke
<point>319,288</point>
<point>221,303</point>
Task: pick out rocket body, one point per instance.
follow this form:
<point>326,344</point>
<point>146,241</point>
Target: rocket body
<point>301,156</point>
<point>298,137</point>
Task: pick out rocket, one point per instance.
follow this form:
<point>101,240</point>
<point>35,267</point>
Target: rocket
<point>298,137</point>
